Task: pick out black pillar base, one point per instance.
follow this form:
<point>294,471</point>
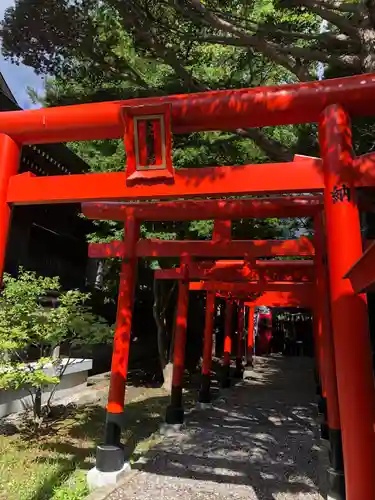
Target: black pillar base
<point>112,434</point>
<point>336,456</point>
<point>324,431</point>
<point>174,415</point>
<point>175,411</point>
<point>336,485</point>
<point>238,372</point>
<point>109,458</point>
<point>204,393</point>
<point>225,376</point>
<point>322,405</point>
<point>319,390</point>
<point>316,376</point>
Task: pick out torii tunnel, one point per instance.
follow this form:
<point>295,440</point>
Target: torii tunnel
<point>325,189</point>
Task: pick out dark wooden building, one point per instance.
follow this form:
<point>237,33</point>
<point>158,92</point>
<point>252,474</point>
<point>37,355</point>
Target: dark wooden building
<point>49,239</point>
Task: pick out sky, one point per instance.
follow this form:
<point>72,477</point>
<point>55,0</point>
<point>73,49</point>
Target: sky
<point>20,77</point>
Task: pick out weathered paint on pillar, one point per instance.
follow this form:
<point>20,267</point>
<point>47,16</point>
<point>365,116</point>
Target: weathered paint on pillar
<point>121,341</point>
<point>10,155</point>
<point>204,393</point>
<point>355,380</point>
<point>250,337</point>
<point>175,411</point>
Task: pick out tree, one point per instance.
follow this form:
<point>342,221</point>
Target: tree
<point>31,333</point>
<point>114,49</point>
<point>118,49</point>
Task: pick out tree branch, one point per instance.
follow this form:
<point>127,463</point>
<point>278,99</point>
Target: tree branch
<point>273,149</point>
<point>339,6</point>
<point>331,41</point>
<point>338,40</point>
<point>258,43</point>
<point>318,7</point>
<point>134,17</point>
<point>318,55</point>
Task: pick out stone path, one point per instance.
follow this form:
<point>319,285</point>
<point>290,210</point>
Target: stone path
<point>259,442</point>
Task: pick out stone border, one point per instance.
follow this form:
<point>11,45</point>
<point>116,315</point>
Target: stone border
<point>103,493</point>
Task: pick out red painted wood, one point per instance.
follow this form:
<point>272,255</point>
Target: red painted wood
<point>297,177</point>
<point>214,110</point>
<point>325,352</point>
<point>121,341</point>
<point>222,231</point>
<point>240,330</point>
<point>236,248</point>
<point>208,333</point>
<point>249,288</point>
<point>362,274</point>
<point>304,298</point>
<point>354,367</point>
<point>181,327</point>
<point>243,273</point>
<point>10,153</point>
<point>228,332</point>
<point>250,335</point>
<point>293,206</point>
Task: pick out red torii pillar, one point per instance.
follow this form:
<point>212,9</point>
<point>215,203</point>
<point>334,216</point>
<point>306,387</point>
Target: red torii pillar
<point>121,341</point>
<point>10,155</point>
<point>355,379</point>
<point>331,428</point>
<point>238,373</point>
<point>204,393</point>
<point>320,322</point>
<point>228,323</point>
<point>110,456</point>
<point>250,337</point>
<point>222,232</point>
<point>175,411</point>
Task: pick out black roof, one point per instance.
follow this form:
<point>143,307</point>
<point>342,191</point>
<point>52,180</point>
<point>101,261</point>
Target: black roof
<point>45,159</point>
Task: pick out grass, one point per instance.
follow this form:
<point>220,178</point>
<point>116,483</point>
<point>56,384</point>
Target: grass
<point>51,463</point>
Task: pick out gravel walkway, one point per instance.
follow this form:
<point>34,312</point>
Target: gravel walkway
<point>259,442</point>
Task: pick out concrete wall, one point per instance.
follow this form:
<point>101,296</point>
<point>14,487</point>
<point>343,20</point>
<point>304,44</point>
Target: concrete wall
<point>74,379</point>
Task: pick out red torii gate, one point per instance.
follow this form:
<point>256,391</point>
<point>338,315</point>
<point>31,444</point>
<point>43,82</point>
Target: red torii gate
<point>241,270</point>
<point>221,244</point>
<point>243,279</point>
<point>221,234</point>
<point>328,103</point>
<point>250,249</point>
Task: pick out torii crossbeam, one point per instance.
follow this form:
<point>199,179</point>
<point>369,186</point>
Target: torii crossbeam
<point>194,248</point>
<point>242,271</point>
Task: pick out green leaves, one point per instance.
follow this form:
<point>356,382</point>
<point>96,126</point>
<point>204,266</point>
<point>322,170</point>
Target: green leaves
<point>32,326</point>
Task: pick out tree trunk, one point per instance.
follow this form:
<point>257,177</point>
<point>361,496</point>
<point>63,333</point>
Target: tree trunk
<point>161,299</point>
<point>167,375</point>
<point>38,404</point>
<point>99,278</point>
<point>168,369</point>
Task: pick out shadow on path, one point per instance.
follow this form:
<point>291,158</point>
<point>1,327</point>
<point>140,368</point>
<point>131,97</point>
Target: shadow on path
<point>258,442</point>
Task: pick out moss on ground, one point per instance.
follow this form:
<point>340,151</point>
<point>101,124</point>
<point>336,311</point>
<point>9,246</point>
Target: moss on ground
<point>51,462</point>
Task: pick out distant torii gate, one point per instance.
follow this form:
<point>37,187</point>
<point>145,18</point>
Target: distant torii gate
<point>241,278</point>
<point>328,103</point>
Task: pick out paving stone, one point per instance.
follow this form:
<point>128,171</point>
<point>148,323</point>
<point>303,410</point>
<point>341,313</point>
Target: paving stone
<point>259,442</point>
